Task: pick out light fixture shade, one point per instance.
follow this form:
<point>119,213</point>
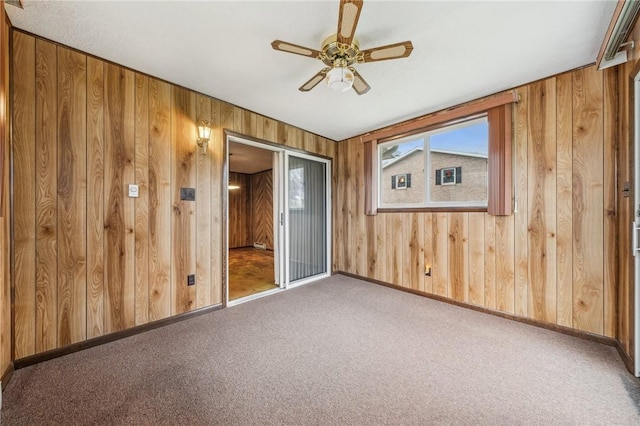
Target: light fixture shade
<point>204,131</point>
<point>339,79</point>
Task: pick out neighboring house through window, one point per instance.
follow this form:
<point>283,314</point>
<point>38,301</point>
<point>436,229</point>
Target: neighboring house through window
<point>444,167</point>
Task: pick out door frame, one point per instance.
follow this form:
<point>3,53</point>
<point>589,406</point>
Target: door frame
<point>280,217</point>
<point>635,211</point>
<point>328,236</point>
<point>278,236</point>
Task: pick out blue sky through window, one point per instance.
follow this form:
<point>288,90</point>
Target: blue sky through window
<point>471,139</point>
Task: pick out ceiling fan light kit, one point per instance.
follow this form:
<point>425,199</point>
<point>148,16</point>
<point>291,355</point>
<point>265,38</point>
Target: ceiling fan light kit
<point>341,50</point>
<point>340,79</point>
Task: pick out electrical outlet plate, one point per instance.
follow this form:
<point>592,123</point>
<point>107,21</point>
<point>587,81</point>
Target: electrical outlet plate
<point>191,279</point>
<point>133,190</point>
<point>188,194</point>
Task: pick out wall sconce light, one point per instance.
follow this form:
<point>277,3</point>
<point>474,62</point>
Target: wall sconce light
<point>204,133</point>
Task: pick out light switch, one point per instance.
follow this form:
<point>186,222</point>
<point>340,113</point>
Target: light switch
<point>133,191</point>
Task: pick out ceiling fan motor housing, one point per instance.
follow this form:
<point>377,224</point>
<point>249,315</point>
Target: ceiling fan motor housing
<point>336,54</point>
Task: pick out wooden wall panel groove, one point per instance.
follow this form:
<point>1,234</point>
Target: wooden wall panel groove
<point>588,256</point>
<point>490,261</point>
<point>203,217</point>
<point>184,220</point>
<point>564,206</point>
<point>380,235</point>
<point>262,207</point>
<point>141,231</point>
<point>24,164</point>
<point>428,251</point>
<point>476,259</point>
<point>360,238</point>
<point>396,237</point>
<point>95,197</point>
<point>240,229</point>
<point>349,248</point>
<point>413,253</point>
<point>119,209</point>
<point>521,225</point>
<point>72,184</point>
<point>339,210</point>
<point>440,269</point>
<point>372,255</point>
<point>541,202</point>
<point>505,292</point>
<point>458,257</point>
<point>46,187</point>
<point>270,129</point>
<point>160,200</point>
<point>309,142</point>
<point>609,193</point>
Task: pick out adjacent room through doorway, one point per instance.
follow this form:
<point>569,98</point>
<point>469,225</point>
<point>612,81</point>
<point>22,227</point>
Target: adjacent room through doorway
<point>278,218</point>
<point>251,228</point>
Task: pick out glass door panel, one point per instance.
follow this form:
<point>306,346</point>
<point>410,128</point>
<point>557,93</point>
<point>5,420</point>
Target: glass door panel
<point>307,212</point>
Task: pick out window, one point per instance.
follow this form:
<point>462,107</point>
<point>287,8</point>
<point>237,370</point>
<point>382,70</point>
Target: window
<point>380,145</point>
<point>444,167</point>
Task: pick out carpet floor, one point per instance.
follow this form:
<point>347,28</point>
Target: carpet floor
<point>338,351</point>
<point>251,271</point>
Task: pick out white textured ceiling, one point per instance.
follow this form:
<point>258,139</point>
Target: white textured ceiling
<point>462,50</point>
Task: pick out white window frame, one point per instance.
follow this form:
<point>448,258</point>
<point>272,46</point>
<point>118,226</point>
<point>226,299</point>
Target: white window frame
<point>425,136</point>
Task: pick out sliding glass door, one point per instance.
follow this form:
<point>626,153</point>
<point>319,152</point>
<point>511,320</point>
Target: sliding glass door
<point>307,215</point>
<point>278,219</point>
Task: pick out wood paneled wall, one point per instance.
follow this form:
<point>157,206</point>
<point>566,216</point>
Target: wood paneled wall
<point>5,216</point>
<point>240,213</point>
<point>626,211</point>
<point>89,260</point>
<point>251,209</point>
<point>262,207</point>
<point>552,261</point>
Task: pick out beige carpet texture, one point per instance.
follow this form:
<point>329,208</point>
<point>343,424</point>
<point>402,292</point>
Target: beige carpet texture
<point>338,351</point>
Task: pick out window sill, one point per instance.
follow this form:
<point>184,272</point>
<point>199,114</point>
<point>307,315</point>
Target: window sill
<point>459,209</point>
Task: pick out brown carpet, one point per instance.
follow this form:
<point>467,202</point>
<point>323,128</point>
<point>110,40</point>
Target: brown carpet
<point>251,271</point>
<point>339,351</point>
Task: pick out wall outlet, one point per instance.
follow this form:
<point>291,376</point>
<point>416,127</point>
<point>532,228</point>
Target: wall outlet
<point>188,194</point>
<point>191,279</point>
<point>133,191</point>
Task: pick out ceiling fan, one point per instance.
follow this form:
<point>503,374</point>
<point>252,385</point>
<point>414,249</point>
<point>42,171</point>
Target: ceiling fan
<point>341,51</point>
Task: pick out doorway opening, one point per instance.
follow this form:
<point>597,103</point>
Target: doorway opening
<point>251,242</point>
<point>278,221</point>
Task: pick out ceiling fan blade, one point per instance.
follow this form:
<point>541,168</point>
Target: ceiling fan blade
<point>294,48</point>
<point>348,20</point>
<point>313,81</point>
<point>391,51</point>
<point>359,84</point>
